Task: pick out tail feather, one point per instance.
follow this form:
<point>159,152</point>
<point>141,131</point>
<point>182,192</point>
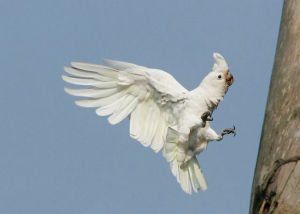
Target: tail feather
<point>189,177</point>
<point>197,178</point>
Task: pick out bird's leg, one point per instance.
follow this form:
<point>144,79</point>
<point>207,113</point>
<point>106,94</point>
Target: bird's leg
<point>227,131</point>
<point>206,116</point>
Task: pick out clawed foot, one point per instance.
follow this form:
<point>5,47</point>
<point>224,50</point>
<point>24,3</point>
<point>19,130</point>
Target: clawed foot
<point>206,116</point>
<point>229,131</point>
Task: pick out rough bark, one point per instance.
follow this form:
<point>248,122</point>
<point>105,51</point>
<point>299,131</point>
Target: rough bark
<point>276,184</point>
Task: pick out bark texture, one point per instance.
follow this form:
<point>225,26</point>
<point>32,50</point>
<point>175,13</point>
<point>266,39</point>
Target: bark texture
<point>276,184</point>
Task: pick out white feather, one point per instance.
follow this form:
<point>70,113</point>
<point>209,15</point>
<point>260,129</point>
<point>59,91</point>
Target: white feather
<point>80,81</point>
<point>199,175</point>
<point>109,109</point>
<point>89,82</point>
<point>193,178</point>
<point>126,108</point>
<point>175,169</point>
<point>121,65</point>
<point>144,122</point>
<point>158,140</point>
<point>100,102</point>
<point>103,70</point>
<point>86,74</point>
<point>134,123</point>
<point>91,92</point>
<point>185,181</point>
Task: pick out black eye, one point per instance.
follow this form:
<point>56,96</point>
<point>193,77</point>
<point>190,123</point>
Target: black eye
<point>220,76</point>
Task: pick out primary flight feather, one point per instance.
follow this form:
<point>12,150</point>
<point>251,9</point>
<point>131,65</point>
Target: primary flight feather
<point>163,114</point>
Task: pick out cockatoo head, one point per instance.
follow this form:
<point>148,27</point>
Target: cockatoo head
<point>216,83</point>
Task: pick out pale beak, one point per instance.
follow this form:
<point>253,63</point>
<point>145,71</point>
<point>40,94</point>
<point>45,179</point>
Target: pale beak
<point>229,78</point>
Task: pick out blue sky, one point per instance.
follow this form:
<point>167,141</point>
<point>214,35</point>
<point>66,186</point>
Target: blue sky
<point>56,157</point>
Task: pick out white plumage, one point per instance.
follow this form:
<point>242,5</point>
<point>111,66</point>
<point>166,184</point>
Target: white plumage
<point>163,114</point>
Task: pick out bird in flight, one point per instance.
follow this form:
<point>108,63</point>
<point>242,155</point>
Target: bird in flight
<point>163,114</point>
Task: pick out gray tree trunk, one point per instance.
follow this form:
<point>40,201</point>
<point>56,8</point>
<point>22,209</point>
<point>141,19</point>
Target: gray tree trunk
<point>276,184</point>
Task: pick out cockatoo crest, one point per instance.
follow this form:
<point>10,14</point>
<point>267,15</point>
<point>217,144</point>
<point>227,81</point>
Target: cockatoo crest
<point>220,64</point>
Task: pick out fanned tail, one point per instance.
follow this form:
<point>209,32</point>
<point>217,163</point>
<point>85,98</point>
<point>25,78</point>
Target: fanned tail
<point>189,177</point>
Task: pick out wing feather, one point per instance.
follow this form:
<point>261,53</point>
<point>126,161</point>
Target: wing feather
<point>108,109</point>
<point>93,103</point>
<point>100,69</point>
<point>150,97</point>
<point>89,82</point>
<point>91,92</point>
<point>159,134</point>
<point>86,74</point>
<point>128,106</point>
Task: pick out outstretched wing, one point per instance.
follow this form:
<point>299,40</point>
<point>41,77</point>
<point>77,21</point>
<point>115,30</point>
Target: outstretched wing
<point>151,98</point>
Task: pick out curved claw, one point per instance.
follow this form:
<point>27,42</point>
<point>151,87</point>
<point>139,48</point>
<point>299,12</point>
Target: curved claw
<point>234,133</point>
<point>206,116</point>
<point>229,131</point>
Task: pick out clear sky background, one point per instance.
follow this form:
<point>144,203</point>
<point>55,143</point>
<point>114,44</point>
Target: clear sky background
<point>58,158</point>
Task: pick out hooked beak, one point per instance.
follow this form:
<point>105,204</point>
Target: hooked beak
<point>229,78</point>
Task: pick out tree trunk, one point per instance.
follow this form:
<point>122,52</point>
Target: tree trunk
<point>276,184</point>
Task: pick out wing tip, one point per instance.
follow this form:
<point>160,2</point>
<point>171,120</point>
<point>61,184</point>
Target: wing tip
<point>67,90</point>
<point>204,188</point>
<point>73,64</point>
<point>111,121</point>
<point>82,103</point>
<point>70,91</point>
<point>66,67</point>
<point>105,60</point>
<point>64,77</point>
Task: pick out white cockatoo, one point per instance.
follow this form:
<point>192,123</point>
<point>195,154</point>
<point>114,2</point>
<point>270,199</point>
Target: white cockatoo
<point>163,114</point>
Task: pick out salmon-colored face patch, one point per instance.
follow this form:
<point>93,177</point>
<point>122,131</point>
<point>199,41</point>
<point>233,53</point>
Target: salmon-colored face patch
<point>229,78</point>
